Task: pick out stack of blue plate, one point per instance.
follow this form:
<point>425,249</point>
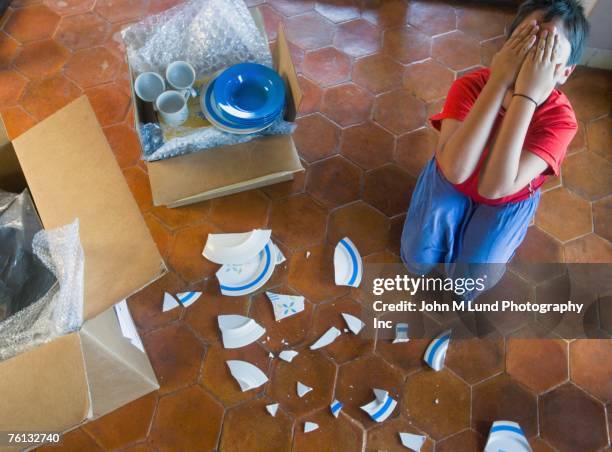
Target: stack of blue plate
<point>245,98</point>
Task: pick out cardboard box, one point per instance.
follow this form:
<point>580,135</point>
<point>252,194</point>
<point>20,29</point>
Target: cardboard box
<point>225,170</point>
<point>71,172</point>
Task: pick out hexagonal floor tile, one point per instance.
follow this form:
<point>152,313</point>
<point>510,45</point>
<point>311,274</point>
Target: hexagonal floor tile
<point>386,436</point>
<point>311,272</point>
<point>161,235</point>
<point>69,7</point>
<point>8,50</point>
<point>16,121</point>
<point>309,31</point>
<point>75,440</point>
<point>415,149</point>
<point>316,137</point>
<point>312,369</point>
<point>240,212</point>
<point>600,137</point>
<point>176,356</point>
<point>291,187</point>
<point>428,80</point>
<point>452,412</point>
<point>539,364</point>
<point>456,50</point>
<point>124,143</point>
<point>378,73</point>
<point>217,378</point>
<point>570,420</point>
<point>588,174</point>
<point>602,218</point>
<point>128,424</point>
<point>347,104</point>
<point>389,189</point>
<point>334,181</point>
<point>408,356</point>
<point>116,11</point>
<point>482,23</point>
<point>388,13</point>
<point>250,427</point>
<point>406,44</point>
<point>465,441</point>
<point>332,435</point>
<point>338,10</point>
<point>590,249</point>
<point>589,369</point>
<point>571,220</point>
<point>271,20</point>
<point>489,48</point>
<point>179,423</point>
<point>357,38</point>
<point>298,221</point>
<point>588,89</point>
<point>536,257</point>
<point>13,85</point>
<point>109,103</point>
<point>503,398</point>
<point>186,255</point>
<point>30,62</point>
<point>327,66</point>
<point>365,226</point>
<point>399,111</point>
<point>91,67</point>
<point>368,145</point>
<point>475,359</point>
<point>20,24</point>
<point>82,31</point>
<point>432,18</point>
<point>356,380</point>
<point>291,7</point>
<point>311,96</point>
<point>138,182</point>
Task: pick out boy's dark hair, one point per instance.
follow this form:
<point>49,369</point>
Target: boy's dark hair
<point>572,14</point>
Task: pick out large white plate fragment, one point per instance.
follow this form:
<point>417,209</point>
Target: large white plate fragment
<point>236,280</point>
<point>401,333</point>
<point>507,436</point>
<point>238,331</point>
<point>288,355</point>
<point>328,337</point>
<point>188,298</point>
<point>235,248</point>
<point>335,408</point>
<point>354,324</point>
<point>246,374</point>
<point>272,409</point>
<point>169,302</point>
<point>348,268</point>
<point>412,441</point>
<point>436,351</point>
<point>310,426</point>
<point>302,389</point>
<point>381,407</point>
<point>285,305</point>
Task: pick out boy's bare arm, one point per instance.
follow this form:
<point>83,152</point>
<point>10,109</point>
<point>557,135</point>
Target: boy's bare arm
<point>461,143</point>
<point>507,168</point>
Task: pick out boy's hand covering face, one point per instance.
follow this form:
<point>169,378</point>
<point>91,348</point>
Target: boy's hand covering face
<point>537,77</point>
<point>507,62</point>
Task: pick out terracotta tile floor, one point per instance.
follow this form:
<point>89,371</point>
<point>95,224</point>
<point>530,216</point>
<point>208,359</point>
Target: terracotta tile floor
<point>371,73</point>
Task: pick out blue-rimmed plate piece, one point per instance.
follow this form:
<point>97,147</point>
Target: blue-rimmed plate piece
<point>242,279</point>
<point>436,351</point>
<point>348,268</point>
<point>507,435</point>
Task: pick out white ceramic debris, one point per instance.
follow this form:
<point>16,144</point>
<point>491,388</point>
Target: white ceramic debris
<point>272,409</point>
<point>401,333</point>
<point>235,248</point>
<point>188,298</point>
<point>328,337</point>
<point>348,268</point>
<point>381,407</point>
<point>335,408</point>
<point>238,330</point>
<point>246,374</point>
<point>310,426</point>
<point>354,323</point>
<point>302,389</point>
<point>236,280</point>
<point>412,441</point>
<point>270,355</point>
<point>507,435</point>
<point>436,351</point>
<point>288,355</point>
<point>280,257</point>
<point>285,305</point>
<point>169,302</point>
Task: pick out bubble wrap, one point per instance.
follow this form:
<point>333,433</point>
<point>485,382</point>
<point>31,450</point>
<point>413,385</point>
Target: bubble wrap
<point>60,310</point>
<point>209,34</point>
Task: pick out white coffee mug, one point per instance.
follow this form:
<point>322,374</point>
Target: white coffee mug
<point>172,107</point>
<point>181,76</point>
<point>149,85</point>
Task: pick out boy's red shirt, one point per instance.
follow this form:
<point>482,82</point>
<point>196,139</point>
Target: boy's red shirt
<point>551,130</point>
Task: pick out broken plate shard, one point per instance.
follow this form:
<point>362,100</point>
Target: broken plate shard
<point>302,389</point>
<point>310,426</point>
<point>169,302</point>
<point>507,435</point>
<point>354,323</point>
<point>412,441</point>
<point>280,257</point>
<point>272,409</point>
<point>436,351</point>
<point>238,330</point>
<point>328,337</point>
<point>188,298</point>
<point>235,248</point>
<point>348,268</point>
<point>401,333</point>
<point>285,305</point>
<point>236,280</point>
<point>381,407</point>
<point>288,355</point>
<point>246,374</point>
<point>335,408</point>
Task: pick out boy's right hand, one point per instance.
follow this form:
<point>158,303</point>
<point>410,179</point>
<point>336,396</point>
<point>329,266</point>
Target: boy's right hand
<point>507,62</point>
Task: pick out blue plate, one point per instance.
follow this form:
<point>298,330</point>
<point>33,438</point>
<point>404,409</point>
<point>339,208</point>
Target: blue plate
<point>249,91</point>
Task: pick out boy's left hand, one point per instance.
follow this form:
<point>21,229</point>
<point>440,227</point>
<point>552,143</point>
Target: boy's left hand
<point>537,77</point>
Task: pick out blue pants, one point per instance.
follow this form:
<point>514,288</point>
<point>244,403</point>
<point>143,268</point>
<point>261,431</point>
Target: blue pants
<point>444,226</point>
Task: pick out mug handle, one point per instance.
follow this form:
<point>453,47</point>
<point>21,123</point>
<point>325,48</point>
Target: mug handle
<point>189,92</point>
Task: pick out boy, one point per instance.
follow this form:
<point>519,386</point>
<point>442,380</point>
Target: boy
<point>503,130</point>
